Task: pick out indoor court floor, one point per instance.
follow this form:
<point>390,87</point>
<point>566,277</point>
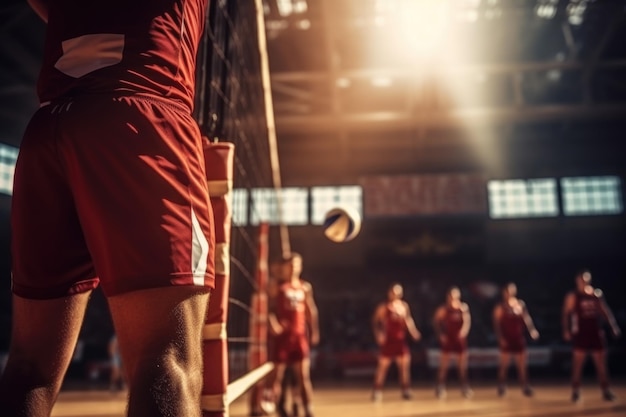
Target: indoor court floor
<point>344,401</point>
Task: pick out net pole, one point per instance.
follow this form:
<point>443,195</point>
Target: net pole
<point>257,351</point>
<point>271,124</point>
<point>219,159</point>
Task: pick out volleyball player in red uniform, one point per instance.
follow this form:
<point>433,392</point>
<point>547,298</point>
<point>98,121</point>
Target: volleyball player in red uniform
<point>392,320</point>
<point>110,189</point>
<point>584,313</point>
<point>294,321</point>
<point>511,320</point>
<point>452,322</point>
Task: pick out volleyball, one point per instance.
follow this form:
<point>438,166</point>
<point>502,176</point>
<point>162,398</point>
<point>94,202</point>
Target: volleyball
<point>342,224</point>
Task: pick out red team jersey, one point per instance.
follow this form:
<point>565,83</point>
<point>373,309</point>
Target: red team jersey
<point>512,328</point>
<point>290,309</point>
<point>395,330</point>
<point>452,325</point>
<point>105,46</point>
<point>110,182</point>
<point>586,322</point>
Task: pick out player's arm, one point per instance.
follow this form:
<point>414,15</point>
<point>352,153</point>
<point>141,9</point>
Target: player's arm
<point>528,320</point>
<point>312,314</point>
<point>274,324</point>
<point>275,327</point>
<point>438,323</point>
<point>410,324</point>
<point>112,346</point>
<point>40,7</point>
<point>378,326</point>
<point>496,317</point>
<point>566,312</point>
<point>467,321</point>
<point>608,314</point>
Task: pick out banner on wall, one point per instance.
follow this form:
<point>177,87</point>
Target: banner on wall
<point>424,195</point>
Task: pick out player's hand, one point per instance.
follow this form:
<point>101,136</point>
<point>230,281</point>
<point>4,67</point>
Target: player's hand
<point>380,339</point>
<point>315,339</point>
<point>567,336</point>
<point>534,334</point>
<point>443,339</point>
<point>502,343</point>
<point>417,336</point>
<point>616,331</point>
<point>278,329</point>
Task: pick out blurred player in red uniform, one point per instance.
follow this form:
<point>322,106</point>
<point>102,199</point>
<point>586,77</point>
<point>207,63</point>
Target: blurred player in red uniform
<point>452,324</point>
<point>294,322</point>
<point>511,320</point>
<point>110,189</point>
<point>584,312</point>
<point>392,320</point>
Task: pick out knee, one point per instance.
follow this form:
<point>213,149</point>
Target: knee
<point>169,373</point>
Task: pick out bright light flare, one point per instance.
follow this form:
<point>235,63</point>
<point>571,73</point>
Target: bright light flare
<point>417,27</point>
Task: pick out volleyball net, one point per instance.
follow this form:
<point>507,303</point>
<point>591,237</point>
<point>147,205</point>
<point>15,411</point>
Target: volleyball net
<point>234,110</point>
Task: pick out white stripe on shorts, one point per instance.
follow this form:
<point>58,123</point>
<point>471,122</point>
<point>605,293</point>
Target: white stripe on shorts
<point>199,251</point>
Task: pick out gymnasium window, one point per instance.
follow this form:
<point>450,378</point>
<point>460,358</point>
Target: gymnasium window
<point>523,198</point>
<point>293,205</point>
<point>591,195</point>
<point>240,207</point>
<point>325,198</point>
<point>8,156</point>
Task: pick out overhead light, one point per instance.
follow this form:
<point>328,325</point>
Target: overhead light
<point>381,81</point>
<point>343,82</point>
<point>304,24</point>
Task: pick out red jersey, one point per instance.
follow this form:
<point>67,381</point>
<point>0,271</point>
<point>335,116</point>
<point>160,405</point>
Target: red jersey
<point>395,321</point>
<point>588,315</point>
<point>453,321</point>
<point>128,47</point>
<point>291,308</point>
<point>512,323</point>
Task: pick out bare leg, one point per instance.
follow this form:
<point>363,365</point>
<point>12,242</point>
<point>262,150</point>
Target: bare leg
<point>522,370</point>
<point>43,338</point>
<point>462,367</point>
<point>578,359</point>
<point>303,377</point>
<point>279,375</point>
<point>521,359</point>
<point>599,360</point>
<point>444,361</point>
<point>404,373</point>
<point>160,338</point>
<point>505,359</point>
<point>381,371</point>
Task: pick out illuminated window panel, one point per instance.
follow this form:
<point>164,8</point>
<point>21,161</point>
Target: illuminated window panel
<point>8,156</point>
<point>523,198</point>
<point>591,195</point>
<point>295,206</point>
<point>240,207</point>
<point>265,206</point>
<point>325,198</point>
<point>289,7</point>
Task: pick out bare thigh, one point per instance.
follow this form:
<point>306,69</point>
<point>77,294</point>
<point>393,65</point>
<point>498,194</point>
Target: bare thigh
<point>161,321</point>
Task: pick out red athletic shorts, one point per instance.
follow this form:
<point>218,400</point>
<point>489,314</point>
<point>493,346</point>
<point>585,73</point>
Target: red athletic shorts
<point>110,190</point>
<point>290,348</point>
<point>589,340</point>
<point>454,345</point>
<point>513,345</point>
<point>394,348</point>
